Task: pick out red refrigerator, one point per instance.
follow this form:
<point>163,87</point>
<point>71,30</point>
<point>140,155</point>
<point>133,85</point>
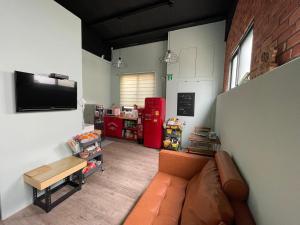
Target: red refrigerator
<point>154,116</point>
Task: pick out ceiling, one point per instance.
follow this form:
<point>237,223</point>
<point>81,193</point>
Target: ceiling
<point>122,23</point>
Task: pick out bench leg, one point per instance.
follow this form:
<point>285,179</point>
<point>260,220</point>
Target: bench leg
<point>44,201</point>
<point>80,179</point>
<point>48,199</point>
<point>34,190</point>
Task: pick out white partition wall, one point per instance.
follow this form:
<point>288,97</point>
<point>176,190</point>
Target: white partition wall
<point>36,36</point>
<point>259,124</point>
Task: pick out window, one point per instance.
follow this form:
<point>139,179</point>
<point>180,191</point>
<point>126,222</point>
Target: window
<point>134,88</point>
<point>241,60</point>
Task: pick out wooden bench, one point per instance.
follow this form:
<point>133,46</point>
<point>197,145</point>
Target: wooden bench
<point>42,178</point>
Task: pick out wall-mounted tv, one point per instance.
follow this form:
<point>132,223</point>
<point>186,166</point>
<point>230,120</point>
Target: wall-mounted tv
<point>41,93</point>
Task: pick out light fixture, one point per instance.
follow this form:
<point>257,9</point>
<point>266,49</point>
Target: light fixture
<point>170,56</point>
<point>118,62</point>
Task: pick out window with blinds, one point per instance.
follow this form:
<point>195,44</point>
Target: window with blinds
<point>134,88</point>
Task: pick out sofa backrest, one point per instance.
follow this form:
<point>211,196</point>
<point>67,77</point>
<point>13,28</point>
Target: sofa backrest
<point>235,187</point>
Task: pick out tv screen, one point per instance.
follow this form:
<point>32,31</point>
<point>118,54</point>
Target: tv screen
<point>41,93</point>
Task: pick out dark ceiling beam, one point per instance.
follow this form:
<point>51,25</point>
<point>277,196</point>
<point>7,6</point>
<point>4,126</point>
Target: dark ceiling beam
<point>133,11</point>
<point>140,42</point>
<point>199,21</point>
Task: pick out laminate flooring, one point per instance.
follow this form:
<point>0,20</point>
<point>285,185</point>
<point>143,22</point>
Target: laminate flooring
<point>107,197</point>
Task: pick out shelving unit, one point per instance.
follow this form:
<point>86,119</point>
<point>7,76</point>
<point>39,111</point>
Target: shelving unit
<point>130,129</point>
<point>98,156</point>
<point>92,171</point>
<point>173,134</point>
<point>172,137</point>
<point>99,118</point>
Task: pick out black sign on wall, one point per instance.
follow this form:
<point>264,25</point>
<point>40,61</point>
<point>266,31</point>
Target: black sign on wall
<point>185,104</point>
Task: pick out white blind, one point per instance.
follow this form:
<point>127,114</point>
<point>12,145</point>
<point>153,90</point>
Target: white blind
<point>134,88</point>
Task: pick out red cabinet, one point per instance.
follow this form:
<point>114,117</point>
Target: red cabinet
<point>113,126</point>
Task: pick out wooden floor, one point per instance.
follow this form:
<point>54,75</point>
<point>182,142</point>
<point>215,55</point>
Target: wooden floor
<point>107,197</point>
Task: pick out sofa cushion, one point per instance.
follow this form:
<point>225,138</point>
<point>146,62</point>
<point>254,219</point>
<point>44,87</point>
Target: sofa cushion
<point>161,203</point>
<point>205,202</point>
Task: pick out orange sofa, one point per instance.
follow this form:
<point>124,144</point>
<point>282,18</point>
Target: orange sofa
<point>193,190</point>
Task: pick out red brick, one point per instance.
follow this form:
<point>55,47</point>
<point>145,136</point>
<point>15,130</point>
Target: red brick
<point>294,17</point>
<point>285,13</point>
<point>285,57</point>
<point>296,51</point>
<point>292,41</point>
<point>298,25</point>
<point>280,29</point>
<point>278,19</point>
<point>286,34</point>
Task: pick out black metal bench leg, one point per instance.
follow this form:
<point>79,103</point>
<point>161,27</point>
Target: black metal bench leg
<point>48,199</point>
<point>34,190</point>
<point>80,179</point>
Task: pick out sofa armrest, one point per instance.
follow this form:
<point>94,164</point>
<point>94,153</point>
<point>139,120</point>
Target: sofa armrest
<point>181,164</point>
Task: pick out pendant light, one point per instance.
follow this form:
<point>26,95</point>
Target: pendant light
<point>118,62</point>
<point>170,56</point>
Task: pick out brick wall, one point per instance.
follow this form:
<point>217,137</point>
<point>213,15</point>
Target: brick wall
<point>276,24</point>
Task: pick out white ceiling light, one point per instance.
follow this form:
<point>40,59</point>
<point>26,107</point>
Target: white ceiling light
<point>170,56</point>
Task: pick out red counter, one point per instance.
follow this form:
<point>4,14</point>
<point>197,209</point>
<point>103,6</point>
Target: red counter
<point>113,126</point>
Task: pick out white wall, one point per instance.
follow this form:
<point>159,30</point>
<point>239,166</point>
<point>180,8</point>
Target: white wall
<point>43,37</point>
<point>96,79</point>
<point>259,124</point>
<point>201,51</point>
<point>140,58</point>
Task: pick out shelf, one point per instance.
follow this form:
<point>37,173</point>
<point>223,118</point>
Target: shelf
<point>130,128</point>
<point>172,148</point>
<point>173,127</point>
<point>92,171</point>
<point>86,144</point>
<point>94,156</point>
<point>127,118</point>
<point>173,136</point>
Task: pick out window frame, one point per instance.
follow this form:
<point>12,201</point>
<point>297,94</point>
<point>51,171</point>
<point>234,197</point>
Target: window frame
<point>237,52</point>
<point>137,74</point>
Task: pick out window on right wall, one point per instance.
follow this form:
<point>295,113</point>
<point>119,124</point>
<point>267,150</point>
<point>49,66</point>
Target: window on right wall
<point>240,64</point>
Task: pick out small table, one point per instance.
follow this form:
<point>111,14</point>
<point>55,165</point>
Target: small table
<point>43,177</point>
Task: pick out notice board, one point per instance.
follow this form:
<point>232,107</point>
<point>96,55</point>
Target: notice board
<point>185,104</point>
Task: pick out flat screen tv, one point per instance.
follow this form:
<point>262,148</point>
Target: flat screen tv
<point>41,93</point>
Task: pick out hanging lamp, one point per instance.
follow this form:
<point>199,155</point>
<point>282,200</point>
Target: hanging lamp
<point>118,62</point>
<point>170,56</point>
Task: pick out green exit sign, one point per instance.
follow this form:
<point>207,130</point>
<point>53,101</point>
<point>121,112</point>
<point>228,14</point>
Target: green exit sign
<point>169,76</point>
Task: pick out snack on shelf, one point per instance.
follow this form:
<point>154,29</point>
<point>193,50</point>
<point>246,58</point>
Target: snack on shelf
<point>84,154</point>
<point>167,142</point>
<point>173,123</point>
<point>91,165</point>
<point>86,137</point>
<point>85,170</point>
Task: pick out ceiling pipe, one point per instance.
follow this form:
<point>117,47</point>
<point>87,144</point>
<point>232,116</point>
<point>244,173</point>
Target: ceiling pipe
<point>131,12</point>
